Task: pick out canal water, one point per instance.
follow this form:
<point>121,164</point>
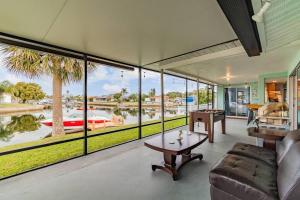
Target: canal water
<point>26,127</point>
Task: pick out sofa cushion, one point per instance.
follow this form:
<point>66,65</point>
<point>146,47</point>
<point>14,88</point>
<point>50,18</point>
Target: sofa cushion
<point>288,179</point>
<point>217,194</point>
<point>251,151</point>
<point>245,178</point>
<point>284,145</point>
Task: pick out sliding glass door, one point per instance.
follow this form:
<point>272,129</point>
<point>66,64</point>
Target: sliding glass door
<point>236,100</point>
<point>230,101</point>
<point>243,98</point>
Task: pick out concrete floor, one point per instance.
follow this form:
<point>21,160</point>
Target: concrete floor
<point>125,173</point>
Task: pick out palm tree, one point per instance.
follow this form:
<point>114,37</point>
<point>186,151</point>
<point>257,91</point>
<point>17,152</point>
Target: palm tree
<point>152,92</point>
<point>124,92</point>
<point>34,64</point>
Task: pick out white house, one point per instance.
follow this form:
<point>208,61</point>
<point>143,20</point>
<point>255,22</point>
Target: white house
<point>5,98</point>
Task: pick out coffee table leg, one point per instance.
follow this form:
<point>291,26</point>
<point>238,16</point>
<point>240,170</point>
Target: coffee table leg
<point>188,156</point>
<point>169,165</point>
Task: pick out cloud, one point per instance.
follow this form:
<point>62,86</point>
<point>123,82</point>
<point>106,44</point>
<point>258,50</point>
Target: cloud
<point>11,78</point>
<point>146,74</point>
<point>99,74</point>
<point>111,88</point>
<point>110,74</point>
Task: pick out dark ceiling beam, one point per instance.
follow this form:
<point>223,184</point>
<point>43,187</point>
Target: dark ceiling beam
<point>239,13</point>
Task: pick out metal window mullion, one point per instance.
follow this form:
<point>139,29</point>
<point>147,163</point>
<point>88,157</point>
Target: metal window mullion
<point>85,106</point>
<point>213,96</point>
<point>198,95</point>
<point>207,95</point>
<point>162,101</point>
<point>186,101</point>
<point>140,104</point>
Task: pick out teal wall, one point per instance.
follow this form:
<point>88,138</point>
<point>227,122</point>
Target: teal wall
<point>220,97</point>
<point>254,93</point>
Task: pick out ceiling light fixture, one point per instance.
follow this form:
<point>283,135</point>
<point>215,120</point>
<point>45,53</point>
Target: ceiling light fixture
<point>259,16</point>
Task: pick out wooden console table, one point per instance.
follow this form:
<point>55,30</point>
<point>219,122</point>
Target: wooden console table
<point>172,148</point>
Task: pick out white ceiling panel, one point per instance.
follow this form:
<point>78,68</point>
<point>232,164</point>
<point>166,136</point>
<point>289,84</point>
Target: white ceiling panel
<point>139,31</point>
<point>31,19</point>
<point>281,24</point>
<point>242,68</point>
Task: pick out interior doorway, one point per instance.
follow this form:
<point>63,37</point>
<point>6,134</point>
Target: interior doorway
<point>276,90</point>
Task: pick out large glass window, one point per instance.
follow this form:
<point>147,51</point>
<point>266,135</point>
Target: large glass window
<point>192,98</point>
<point>203,96</point>
<point>215,97</point>
<point>151,102</point>
<point>40,97</point>
<point>175,97</point>
<point>112,95</point>
<point>210,94</point>
<point>42,107</point>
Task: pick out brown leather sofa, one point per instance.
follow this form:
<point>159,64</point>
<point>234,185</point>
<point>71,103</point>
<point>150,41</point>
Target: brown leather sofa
<point>248,172</point>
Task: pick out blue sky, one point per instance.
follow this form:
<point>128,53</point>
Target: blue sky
<point>104,80</point>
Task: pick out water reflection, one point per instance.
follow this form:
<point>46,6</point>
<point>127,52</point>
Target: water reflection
<point>21,128</point>
<point>20,124</point>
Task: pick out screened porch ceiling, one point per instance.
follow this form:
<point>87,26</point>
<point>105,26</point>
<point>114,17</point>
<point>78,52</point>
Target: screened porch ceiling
<point>140,32</point>
<point>132,31</point>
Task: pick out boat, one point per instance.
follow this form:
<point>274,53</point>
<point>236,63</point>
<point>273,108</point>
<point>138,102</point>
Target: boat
<point>75,121</point>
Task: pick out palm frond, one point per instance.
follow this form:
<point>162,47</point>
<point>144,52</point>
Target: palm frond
<point>23,61</point>
<point>32,64</point>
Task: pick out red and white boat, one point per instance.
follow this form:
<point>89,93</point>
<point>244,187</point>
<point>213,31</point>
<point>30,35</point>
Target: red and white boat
<point>74,121</point>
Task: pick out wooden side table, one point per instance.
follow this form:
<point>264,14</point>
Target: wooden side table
<point>269,136</point>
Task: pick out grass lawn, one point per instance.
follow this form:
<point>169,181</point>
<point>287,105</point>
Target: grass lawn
<point>23,161</point>
<point>13,105</point>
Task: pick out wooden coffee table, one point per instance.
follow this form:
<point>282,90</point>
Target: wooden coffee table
<point>269,136</point>
<point>164,143</point>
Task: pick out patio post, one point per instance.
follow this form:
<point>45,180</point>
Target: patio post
<point>198,105</point>
<point>186,101</point>
<point>85,106</point>
<point>162,101</point>
<point>212,97</point>
<point>207,95</point>
<point>140,103</point>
